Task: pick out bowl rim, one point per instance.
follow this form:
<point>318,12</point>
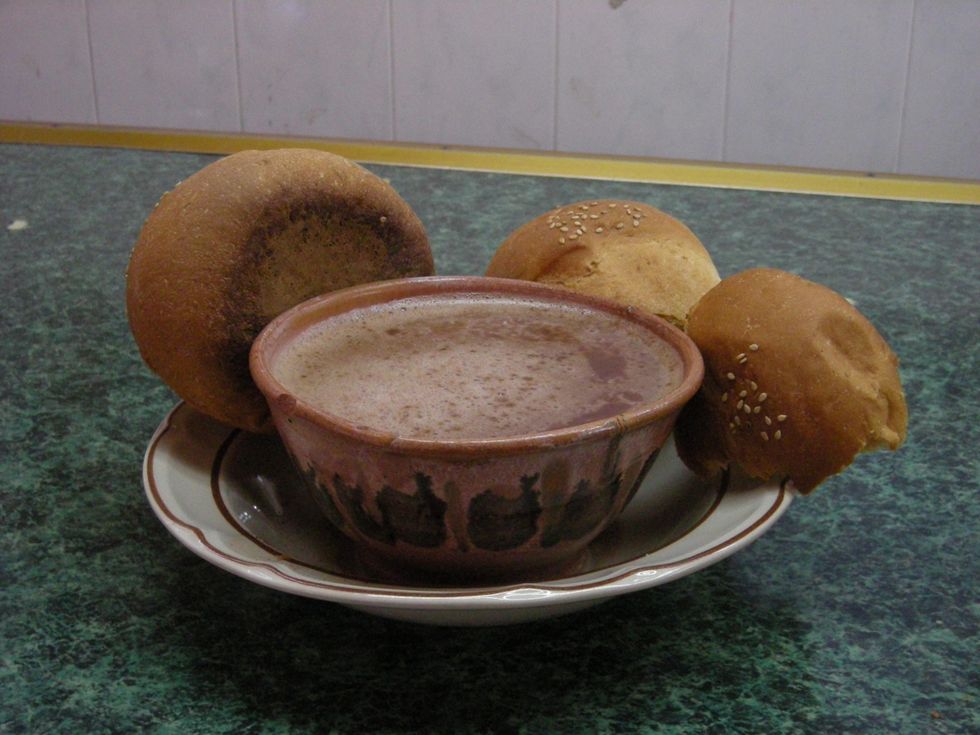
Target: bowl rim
<point>316,309</point>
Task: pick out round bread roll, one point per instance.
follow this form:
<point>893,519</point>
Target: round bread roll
<point>629,252</point>
<point>797,382</point>
<point>244,239</point>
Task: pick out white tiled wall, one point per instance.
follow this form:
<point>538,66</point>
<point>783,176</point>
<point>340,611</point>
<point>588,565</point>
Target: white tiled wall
<point>320,69</point>
<point>941,123</point>
<point>472,72</point>
<point>155,66</point>
<point>45,65</point>
<point>647,79</point>
<point>868,85</point>
<point>818,82</point>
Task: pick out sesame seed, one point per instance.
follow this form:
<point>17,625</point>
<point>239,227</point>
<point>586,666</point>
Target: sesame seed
<point>743,361</point>
<point>739,405</point>
<point>778,434</point>
<point>619,225</point>
<point>740,355</point>
<point>781,417</point>
<point>763,397</point>
<point>743,393</point>
<point>593,216</point>
<point>755,386</point>
<point>598,229</point>
<point>613,204</point>
<point>724,396</point>
<point>737,420</point>
<point>565,228</point>
<point>756,409</point>
<point>636,223</point>
<point>730,376</point>
<point>747,408</point>
<point>754,347</point>
<point>765,436</point>
<point>573,236</point>
<point>767,420</point>
<point>561,239</point>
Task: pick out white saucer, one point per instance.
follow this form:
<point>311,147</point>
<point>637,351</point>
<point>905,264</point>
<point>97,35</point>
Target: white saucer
<point>233,499</point>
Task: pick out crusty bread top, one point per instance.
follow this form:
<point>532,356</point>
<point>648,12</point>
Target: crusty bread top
<point>244,239</point>
<point>797,381</point>
<point>622,250</point>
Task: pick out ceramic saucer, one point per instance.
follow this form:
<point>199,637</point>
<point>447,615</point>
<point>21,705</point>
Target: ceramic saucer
<point>234,499</point>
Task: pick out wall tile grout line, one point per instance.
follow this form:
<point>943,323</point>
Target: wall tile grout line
<point>91,60</point>
<point>723,154</point>
<point>905,93</point>
<point>391,68</point>
<point>238,67</point>
<point>555,88</point>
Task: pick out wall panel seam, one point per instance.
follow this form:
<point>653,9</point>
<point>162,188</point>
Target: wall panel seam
<point>238,66</point>
<point>555,76</point>
<point>91,61</point>
<point>728,82</point>
<point>905,92</point>
<point>391,70</point>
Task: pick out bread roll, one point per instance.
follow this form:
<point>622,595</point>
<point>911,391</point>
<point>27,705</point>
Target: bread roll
<point>244,239</point>
<point>797,382</point>
<point>625,251</point>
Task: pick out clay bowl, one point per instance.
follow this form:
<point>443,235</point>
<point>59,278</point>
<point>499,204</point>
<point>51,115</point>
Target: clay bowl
<point>517,508</point>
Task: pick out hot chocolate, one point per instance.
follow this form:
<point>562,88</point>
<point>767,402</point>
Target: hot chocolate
<point>466,366</point>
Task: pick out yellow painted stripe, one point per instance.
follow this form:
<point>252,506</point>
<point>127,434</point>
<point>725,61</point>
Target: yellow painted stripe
<point>519,162</point>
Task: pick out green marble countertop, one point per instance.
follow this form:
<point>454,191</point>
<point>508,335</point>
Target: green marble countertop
<point>856,613</point>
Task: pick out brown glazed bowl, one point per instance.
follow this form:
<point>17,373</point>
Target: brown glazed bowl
<point>503,509</point>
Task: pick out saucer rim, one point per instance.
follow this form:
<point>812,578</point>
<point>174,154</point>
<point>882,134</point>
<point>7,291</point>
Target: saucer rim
<point>271,569</point>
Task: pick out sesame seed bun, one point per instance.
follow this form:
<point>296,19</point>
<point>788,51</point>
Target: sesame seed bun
<point>797,382</point>
<point>244,239</point>
<point>625,251</point>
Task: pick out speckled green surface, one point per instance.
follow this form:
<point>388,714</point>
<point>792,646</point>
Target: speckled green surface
<point>857,613</point>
